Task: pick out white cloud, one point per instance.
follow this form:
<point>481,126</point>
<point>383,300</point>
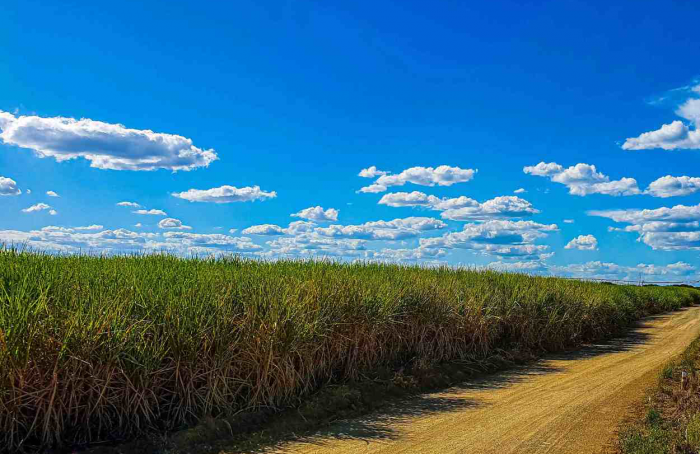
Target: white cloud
<point>674,228</point>
<point>407,255</point>
<point>173,224</point>
<point>544,169</point>
<point>53,212</point>
<point>264,229</point>
<point>129,204</point>
<point>226,194</point>
<point>419,199</point>
<point>373,189</point>
<point>105,145</point>
<point>517,251</point>
<point>371,172</point>
<point>298,227</point>
<point>37,207</point>
<point>678,213</point>
<point>502,238</point>
<point>90,227</point>
<point>583,243</point>
<point>227,242</point>
<point>51,194</point>
<point>8,186</point>
<point>583,179</point>
<point>669,186</point>
<point>423,176</point>
<point>675,135</point>
<point>396,229</point>
<point>519,191</point>
<point>317,214</point>
<point>312,245</point>
<point>138,225</point>
<point>55,229</point>
<point>498,207</point>
<point>607,270</point>
<point>151,212</point>
<point>68,240</point>
<point>6,118</point>
<point>679,271</point>
<point>462,208</point>
<point>528,267</point>
<point>568,221</point>
<point>407,199</point>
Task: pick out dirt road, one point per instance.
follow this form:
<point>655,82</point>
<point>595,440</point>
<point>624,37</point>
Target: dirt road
<point>568,403</point>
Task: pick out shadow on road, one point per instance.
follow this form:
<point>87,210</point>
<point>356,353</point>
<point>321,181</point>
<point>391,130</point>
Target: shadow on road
<point>380,425</point>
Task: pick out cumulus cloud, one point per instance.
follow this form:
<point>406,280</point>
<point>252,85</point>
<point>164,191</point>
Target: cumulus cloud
<point>503,238</point>
<point>105,145</point>
<point>312,245</point>
<point>173,224</point>
<point>419,199</point>
<point>677,134</point>
<point>396,229</point>
<point>298,227</point>
<point>612,271</point>
<point>151,212</point>
<point>423,176</point>
<point>51,194</point>
<point>69,240</point>
<point>54,228</point>
<point>666,228</point>
<point>264,229</point>
<point>78,240</point>
<point>129,204</point>
<point>38,207</point>
<point>519,191</point>
<point>213,239</point>
<point>372,189</point>
<point>372,172</point>
<point>672,136</point>
<point>407,255</point>
<point>583,243</point>
<point>8,186</point>
<point>498,207</point>
<point>679,271</point>
<point>226,194</point>
<point>678,213</point>
<point>527,267</point>
<point>294,228</point>
<point>583,179</point>
<point>90,227</point>
<point>462,208</point>
<point>317,214</point>
<point>669,186</point>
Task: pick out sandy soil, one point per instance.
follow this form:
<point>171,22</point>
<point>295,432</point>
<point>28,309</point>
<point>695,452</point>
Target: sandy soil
<point>567,403</point>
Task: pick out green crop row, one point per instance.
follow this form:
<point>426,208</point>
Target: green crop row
<point>97,348</point>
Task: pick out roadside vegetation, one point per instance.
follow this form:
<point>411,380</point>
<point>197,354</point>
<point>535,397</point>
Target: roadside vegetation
<point>96,348</point>
<point>670,420</point>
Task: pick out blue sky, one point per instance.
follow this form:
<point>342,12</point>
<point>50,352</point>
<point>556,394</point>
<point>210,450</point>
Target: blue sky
<point>239,115</point>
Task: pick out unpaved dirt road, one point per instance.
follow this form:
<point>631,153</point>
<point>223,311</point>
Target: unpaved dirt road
<point>568,403</point>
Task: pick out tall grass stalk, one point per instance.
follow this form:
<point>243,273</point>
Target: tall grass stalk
<point>95,348</point>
